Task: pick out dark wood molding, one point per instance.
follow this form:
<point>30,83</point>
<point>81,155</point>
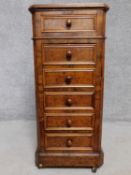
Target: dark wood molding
<point>34,8</point>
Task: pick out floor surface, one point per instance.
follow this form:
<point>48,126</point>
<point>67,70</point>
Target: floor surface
<point>18,143</point>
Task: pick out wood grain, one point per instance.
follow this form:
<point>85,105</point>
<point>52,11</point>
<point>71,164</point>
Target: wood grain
<point>69,46</point>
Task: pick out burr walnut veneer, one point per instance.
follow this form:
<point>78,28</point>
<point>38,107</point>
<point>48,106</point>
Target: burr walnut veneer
<point>69,43</point>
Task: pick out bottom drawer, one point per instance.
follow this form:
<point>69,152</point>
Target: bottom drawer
<point>68,141</point>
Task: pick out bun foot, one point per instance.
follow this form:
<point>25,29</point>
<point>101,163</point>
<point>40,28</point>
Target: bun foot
<point>40,165</point>
<point>94,169</point>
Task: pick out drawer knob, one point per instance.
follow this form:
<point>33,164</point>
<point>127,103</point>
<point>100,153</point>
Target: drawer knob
<point>68,23</point>
<point>68,55</point>
<point>69,123</point>
<point>69,102</point>
<point>68,79</point>
<point>69,142</point>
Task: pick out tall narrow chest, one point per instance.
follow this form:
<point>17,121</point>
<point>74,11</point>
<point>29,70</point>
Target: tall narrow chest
<point>69,43</point>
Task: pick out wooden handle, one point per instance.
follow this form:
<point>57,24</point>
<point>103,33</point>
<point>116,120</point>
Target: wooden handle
<point>69,123</point>
<point>69,102</point>
<point>68,55</point>
<point>68,79</point>
<point>68,23</point>
<point>69,142</point>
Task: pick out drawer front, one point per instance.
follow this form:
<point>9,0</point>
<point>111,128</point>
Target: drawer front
<point>72,23</point>
<point>68,141</point>
<point>69,77</point>
<point>69,53</point>
<point>61,121</point>
<point>67,23</point>
<point>69,99</point>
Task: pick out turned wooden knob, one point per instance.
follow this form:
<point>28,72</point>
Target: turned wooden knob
<point>68,23</point>
<point>68,79</point>
<point>69,123</point>
<point>69,142</point>
<point>69,102</point>
<point>68,55</point>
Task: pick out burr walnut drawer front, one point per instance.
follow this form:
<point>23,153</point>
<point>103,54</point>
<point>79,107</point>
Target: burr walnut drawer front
<point>69,99</point>
<point>69,77</point>
<point>60,121</point>
<point>69,23</point>
<point>68,141</point>
<point>69,53</point>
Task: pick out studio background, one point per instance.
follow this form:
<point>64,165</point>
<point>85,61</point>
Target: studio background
<point>17,93</point>
<point>18,135</point>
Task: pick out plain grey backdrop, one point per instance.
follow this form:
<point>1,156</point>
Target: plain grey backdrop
<point>17,97</point>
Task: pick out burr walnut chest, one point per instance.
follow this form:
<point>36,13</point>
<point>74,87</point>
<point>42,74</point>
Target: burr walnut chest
<point>69,42</point>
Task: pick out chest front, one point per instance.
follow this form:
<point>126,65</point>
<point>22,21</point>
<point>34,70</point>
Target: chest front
<point>69,46</point>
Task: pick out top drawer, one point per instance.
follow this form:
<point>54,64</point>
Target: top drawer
<point>72,24</point>
<point>68,23</point>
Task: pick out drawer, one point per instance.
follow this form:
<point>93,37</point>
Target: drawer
<point>69,99</point>
<point>67,23</point>
<point>72,24</point>
<point>68,141</point>
<point>69,53</point>
<point>69,77</point>
<point>63,121</point>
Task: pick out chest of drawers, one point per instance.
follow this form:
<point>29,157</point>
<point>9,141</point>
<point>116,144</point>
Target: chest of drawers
<point>69,73</point>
